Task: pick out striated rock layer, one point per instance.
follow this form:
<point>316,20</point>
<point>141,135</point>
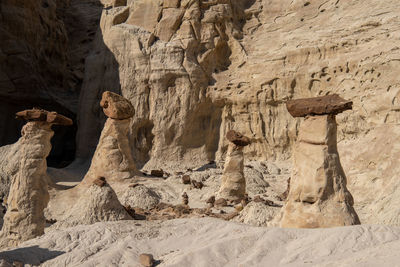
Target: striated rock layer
<point>28,195</point>
<point>318,195</point>
<point>163,55</point>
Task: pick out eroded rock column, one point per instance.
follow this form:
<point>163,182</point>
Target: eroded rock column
<point>233,182</point>
<point>318,196</point>
<point>113,157</point>
<point>29,195</point>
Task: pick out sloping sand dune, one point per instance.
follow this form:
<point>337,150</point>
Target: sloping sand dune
<point>211,242</point>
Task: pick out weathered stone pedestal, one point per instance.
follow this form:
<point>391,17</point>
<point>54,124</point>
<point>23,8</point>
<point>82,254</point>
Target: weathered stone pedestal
<point>113,158</point>
<point>233,182</point>
<point>318,196</point>
<point>29,195</point>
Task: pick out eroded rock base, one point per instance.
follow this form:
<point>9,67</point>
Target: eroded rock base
<point>318,195</point>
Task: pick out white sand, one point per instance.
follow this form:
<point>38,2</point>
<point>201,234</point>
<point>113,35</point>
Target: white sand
<point>211,242</point>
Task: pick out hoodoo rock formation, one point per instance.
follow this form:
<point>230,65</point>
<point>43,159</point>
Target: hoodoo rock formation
<point>113,156</point>
<point>233,182</point>
<point>29,195</point>
<point>318,195</point>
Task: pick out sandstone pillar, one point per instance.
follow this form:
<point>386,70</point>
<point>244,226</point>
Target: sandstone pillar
<point>29,195</point>
<point>113,157</point>
<point>233,182</point>
<point>318,195</point>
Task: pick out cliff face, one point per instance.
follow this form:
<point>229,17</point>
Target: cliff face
<point>194,69</point>
<point>162,55</point>
<point>42,57</point>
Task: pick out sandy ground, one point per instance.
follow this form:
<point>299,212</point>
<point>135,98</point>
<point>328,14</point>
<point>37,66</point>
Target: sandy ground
<point>211,242</point>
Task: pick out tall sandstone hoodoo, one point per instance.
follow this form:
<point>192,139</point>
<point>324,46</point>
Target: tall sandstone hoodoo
<point>233,182</point>
<point>29,195</point>
<point>318,196</point>
<point>113,156</point>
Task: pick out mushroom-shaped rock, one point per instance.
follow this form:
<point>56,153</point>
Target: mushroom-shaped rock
<point>237,138</point>
<point>98,203</point>
<point>43,115</point>
<point>113,157</point>
<point>233,183</point>
<point>28,195</point>
<point>116,107</point>
<point>324,105</point>
<point>318,196</point>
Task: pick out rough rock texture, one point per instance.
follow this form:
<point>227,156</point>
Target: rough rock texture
<point>323,105</point>
<point>237,138</point>
<point>162,59</point>
<point>140,196</point>
<point>116,106</point>
<point>113,158</point>
<point>318,195</point>
<point>43,115</point>
<point>257,214</point>
<point>28,193</point>
<point>9,167</point>
<point>96,204</point>
<point>233,182</point>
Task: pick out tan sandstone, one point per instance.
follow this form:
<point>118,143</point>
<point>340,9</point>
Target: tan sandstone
<point>318,195</point>
<point>233,182</point>
<point>28,195</point>
<point>97,204</point>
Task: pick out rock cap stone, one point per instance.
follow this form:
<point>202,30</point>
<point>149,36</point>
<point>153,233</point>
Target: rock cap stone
<point>323,105</point>
<point>43,115</point>
<point>237,138</point>
<point>116,107</point>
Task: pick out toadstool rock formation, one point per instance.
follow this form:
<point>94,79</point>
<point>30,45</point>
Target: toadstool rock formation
<point>112,158</point>
<point>97,204</point>
<point>233,183</point>
<point>318,196</point>
<point>29,195</point>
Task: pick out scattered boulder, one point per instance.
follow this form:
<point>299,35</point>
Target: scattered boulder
<point>186,179</point>
<point>318,195</point>
<point>146,260</point>
<point>233,183</point>
<point>140,196</point>
<point>116,107</point>
<point>29,196</point>
<point>197,185</point>
<point>157,173</point>
<point>185,199</point>
<point>211,201</point>
<point>221,202</point>
<point>324,105</point>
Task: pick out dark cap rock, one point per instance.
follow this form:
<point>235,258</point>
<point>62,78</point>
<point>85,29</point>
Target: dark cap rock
<point>324,105</point>
<point>237,138</point>
<point>43,115</point>
<point>116,107</point>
